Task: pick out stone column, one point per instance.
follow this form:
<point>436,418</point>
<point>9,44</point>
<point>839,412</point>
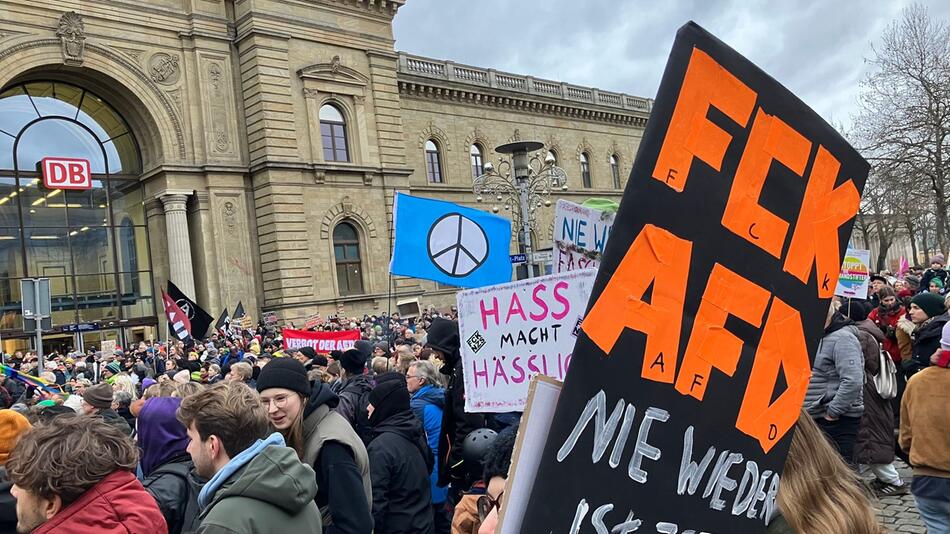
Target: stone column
<point>181,272</point>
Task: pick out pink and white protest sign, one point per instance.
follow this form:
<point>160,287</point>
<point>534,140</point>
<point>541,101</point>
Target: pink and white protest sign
<point>580,235</point>
<point>512,332</point>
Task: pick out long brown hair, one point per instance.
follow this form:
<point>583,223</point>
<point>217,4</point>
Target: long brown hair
<point>819,493</point>
<point>293,435</point>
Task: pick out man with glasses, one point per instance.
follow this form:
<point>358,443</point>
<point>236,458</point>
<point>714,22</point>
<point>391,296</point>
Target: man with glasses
<point>427,402</point>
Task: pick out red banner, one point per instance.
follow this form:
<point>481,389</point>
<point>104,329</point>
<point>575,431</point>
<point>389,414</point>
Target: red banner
<point>322,342</point>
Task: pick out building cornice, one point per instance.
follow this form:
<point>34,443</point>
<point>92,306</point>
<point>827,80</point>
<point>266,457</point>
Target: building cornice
<point>445,80</point>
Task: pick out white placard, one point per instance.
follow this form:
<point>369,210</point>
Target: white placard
<point>512,332</point>
<point>580,235</point>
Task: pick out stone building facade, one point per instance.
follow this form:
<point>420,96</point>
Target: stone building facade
<point>264,143</point>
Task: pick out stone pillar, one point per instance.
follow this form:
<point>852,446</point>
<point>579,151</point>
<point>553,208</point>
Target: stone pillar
<point>181,272</point>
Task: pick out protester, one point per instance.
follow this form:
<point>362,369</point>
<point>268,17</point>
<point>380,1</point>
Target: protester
<point>443,339</point>
<point>324,440</point>
<point>97,400</point>
<point>874,447</point>
<point>12,426</point>
<point>166,465</point>
<point>497,463</point>
<point>242,372</point>
<point>255,483</point>
<point>885,316</point>
<point>400,461</point>
<point>924,435</point>
<point>835,391</point>
<point>354,393</point>
<point>936,271</point>
<point>92,488</point>
<point>928,313</point>
<point>427,402</point>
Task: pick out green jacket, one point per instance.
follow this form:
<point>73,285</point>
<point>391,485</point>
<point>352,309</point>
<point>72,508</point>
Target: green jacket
<point>272,493</point>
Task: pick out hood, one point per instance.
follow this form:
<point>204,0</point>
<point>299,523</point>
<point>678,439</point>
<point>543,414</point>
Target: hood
<point>868,326</point>
<point>320,395</point>
<point>404,424</point>
<point>838,322</point>
<point>360,383</point>
<point>443,335</point>
<point>160,435</point>
<point>430,395</point>
<point>274,475</point>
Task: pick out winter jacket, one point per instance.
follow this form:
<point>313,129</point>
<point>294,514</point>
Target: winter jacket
<point>7,504</point>
<point>118,504</point>
<point>110,416</point>
<point>886,320</point>
<point>836,387</point>
<point>340,463</point>
<point>174,485</point>
<point>929,275</point>
<point>264,489</point>
<point>443,335</point>
<point>401,499</point>
<point>925,420</point>
<point>926,342</point>
<point>875,441</point>
<point>353,394</point>
<point>427,405</point>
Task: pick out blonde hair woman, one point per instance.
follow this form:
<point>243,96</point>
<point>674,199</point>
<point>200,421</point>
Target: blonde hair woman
<point>819,493</point>
<point>123,382</point>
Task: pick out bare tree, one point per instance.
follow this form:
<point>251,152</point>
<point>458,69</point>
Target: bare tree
<point>905,109</point>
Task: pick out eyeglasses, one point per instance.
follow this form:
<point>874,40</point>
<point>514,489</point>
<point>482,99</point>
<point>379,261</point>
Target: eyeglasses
<point>279,401</point>
<point>486,504</point>
<point>408,376</point>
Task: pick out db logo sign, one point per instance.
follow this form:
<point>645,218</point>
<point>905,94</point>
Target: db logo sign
<point>66,173</point>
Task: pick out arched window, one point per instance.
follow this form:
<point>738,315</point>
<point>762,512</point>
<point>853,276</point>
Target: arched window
<point>346,251</point>
<point>615,170</point>
<point>478,165</point>
<point>333,134</point>
<point>433,163</point>
<point>585,170</point>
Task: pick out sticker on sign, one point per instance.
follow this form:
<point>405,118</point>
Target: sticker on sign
<point>66,173</point>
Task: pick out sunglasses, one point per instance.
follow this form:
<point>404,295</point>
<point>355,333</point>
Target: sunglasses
<point>486,504</point>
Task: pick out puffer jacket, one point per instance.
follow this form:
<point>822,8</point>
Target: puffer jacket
<point>265,489</point>
<point>836,387</point>
<point>926,339</point>
<point>116,505</point>
<point>401,500</point>
<point>427,405</point>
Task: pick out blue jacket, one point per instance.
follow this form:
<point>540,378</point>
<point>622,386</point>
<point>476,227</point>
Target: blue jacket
<point>427,404</point>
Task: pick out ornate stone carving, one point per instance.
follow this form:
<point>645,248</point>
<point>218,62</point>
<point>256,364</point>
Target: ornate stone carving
<point>434,132</point>
<point>175,96</point>
<point>132,53</point>
<point>346,210</point>
<point>310,93</point>
<point>335,64</point>
<point>515,136</point>
<point>164,68</point>
<point>478,136</point>
<point>358,99</point>
<point>583,147</point>
<point>214,75</point>
<point>72,36</point>
<point>221,141</point>
<point>229,215</point>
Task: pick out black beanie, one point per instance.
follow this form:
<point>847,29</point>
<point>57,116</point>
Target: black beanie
<point>353,361</point>
<point>308,351</point>
<point>285,373</point>
<point>389,397</point>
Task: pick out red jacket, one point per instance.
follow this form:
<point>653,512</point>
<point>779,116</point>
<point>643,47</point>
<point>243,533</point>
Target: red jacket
<point>117,504</point>
<point>887,322</point>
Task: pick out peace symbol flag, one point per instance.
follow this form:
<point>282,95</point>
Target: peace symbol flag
<point>448,243</point>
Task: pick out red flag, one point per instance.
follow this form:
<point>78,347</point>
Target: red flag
<point>177,319</point>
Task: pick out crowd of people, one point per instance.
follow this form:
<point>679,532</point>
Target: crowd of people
<point>235,433</point>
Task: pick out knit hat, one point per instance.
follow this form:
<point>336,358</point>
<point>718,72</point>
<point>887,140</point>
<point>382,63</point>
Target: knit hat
<point>182,377</point>
<point>285,373</point>
<point>98,396</point>
<point>12,426</point>
<point>856,309</point>
<point>930,303</point>
<point>114,367</point>
<point>383,346</point>
<point>320,360</point>
<point>389,397</point>
<point>308,352</point>
<point>353,361</point>
<point>365,347</point>
<point>938,258</point>
<point>148,382</point>
<point>912,280</point>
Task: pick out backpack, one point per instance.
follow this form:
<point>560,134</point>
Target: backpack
<point>189,516</point>
<point>886,380</point>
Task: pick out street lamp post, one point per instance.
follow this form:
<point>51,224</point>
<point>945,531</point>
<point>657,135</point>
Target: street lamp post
<point>525,192</point>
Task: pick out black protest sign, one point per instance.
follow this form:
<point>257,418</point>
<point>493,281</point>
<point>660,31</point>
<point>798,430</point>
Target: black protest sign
<point>695,353</point>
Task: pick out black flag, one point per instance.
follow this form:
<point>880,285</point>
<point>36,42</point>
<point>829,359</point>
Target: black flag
<point>200,319</point>
<point>223,320</point>
<point>239,312</point>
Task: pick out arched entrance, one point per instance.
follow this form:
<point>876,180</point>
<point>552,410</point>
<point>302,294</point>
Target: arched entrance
<point>91,243</point>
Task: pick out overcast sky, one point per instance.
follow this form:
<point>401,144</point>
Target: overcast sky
<point>817,49</point>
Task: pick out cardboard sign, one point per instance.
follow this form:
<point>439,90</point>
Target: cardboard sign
<point>855,277</point>
<point>512,332</point>
<point>580,236</point>
<point>322,342</point>
<point>66,173</point>
<point>695,353</point>
<point>313,321</point>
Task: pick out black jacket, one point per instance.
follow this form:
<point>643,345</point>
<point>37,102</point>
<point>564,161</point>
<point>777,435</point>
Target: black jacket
<point>175,487</point>
<point>109,416</point>
<point>7,504</point>
<point>926,342</point>
<point>401,498</point>
<point>354,395</point>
